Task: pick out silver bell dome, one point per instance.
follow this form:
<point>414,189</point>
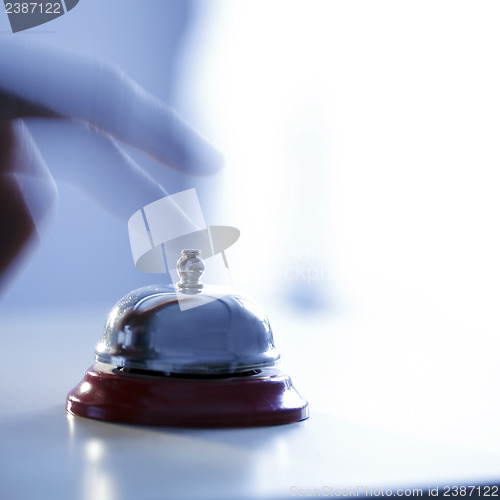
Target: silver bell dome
<point>187,328</point>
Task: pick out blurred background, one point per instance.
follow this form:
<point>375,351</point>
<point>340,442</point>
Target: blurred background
<point>362,168</point>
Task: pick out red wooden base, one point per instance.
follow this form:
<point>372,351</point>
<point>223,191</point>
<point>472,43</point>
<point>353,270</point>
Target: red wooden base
<point>266,398</point>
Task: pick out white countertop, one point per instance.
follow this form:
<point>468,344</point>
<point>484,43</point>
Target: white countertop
<point>387,411</point>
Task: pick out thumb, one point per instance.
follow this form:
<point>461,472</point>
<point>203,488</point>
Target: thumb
<point>28,197</point>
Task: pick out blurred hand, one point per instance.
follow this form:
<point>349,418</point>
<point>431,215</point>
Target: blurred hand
<point>87,106</point>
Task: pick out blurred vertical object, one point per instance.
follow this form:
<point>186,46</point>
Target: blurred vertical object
<point>304,268</point>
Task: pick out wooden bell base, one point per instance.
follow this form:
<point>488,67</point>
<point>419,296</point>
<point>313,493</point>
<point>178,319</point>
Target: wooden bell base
<point>265,398</point>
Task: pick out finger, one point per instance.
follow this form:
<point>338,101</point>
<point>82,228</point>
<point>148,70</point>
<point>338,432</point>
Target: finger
<point>101,94</point>
<point>27,197</point>
<point>101,169</point>
<point>13,107</point>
